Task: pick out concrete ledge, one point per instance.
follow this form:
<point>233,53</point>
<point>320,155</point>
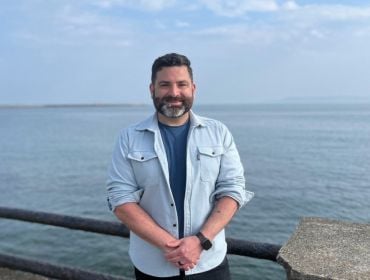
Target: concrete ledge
<point>9,274</point>
<point>326,249</point>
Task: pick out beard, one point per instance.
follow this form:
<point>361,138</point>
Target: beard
<point>163,105</point>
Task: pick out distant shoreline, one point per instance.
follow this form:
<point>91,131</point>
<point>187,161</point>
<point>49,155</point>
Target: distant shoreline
<point>97,105</point>
<point>70,105</point>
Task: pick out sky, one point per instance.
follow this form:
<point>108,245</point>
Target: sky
<point>242,51</point>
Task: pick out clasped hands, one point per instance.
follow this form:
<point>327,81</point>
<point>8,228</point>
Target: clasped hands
<point>184,253</point>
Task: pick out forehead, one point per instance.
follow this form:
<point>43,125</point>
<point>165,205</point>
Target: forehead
<point>173,73</point>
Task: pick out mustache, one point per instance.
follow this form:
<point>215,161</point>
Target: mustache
<point>173,99</point>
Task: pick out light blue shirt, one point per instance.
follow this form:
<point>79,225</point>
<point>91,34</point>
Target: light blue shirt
<point>139,173</point>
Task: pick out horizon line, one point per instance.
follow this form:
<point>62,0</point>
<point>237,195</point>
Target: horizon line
<point>285,101</point>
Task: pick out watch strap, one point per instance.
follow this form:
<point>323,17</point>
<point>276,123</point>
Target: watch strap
<point>204,241</point>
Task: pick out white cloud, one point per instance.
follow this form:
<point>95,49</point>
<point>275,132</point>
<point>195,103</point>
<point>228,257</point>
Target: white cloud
<point>309,26</point>
<point>242,34</point>
<point>190,7</point>
<point>362,32</point>
<point>317,33</point>
<point>150,5</point>
<point>106,4</point>
<point>123,43</point>
<point>326,13</point>
<point>340,12</point>
<point>156,5</point>
<point>75,20</point>
<point>289,5</point>
<point>281,37</point>
<point>233,8</point>
<point>72,25</point>
<point>84,26</point>
<point>160,24</point>
<point>75,24</point>
<point>181,24</point>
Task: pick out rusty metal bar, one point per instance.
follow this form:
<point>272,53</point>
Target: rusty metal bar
<point>52,270</point>
<point>71,222</point>
<point>252,249</point>
<point>235,246</point>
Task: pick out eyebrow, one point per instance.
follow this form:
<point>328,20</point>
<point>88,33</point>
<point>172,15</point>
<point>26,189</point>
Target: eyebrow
<point>168,82</point>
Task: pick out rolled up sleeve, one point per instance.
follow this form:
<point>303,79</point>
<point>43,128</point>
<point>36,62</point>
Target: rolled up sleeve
<point>121,184</point>
<point>231,180</point>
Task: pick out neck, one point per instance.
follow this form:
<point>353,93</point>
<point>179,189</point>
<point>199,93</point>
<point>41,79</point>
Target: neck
<point>173,121</point>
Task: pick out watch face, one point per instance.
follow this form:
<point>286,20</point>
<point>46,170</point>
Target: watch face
<point>207,245</point>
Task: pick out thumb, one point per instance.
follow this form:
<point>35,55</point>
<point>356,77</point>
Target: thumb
<point>173,243</point>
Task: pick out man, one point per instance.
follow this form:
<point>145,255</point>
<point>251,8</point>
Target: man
<point>176,181</point>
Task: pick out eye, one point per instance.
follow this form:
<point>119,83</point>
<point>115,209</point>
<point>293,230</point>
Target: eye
<point>183,84</point>
<point>163,84</point>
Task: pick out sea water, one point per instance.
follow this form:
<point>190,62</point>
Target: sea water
<point>299,159</point>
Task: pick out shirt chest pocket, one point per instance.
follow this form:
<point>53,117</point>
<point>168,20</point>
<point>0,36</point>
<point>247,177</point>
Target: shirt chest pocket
<point>146,168</point>
<point>210,160</point>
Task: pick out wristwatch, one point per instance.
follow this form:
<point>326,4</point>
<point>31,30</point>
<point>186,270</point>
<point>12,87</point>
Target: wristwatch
<point>204,241</point>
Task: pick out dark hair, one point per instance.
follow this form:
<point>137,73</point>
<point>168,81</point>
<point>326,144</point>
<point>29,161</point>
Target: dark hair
<point>168,60</point>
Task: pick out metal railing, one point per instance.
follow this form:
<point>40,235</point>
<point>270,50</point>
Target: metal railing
<point>239,247</point>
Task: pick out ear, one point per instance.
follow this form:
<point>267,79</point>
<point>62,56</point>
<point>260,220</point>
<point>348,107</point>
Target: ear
<point>194,88</point>
<point>151,89</point>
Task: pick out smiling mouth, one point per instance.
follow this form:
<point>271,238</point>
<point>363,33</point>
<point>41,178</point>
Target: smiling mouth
<point>174,103</point>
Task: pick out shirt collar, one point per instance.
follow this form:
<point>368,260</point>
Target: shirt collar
<point>195,120</point>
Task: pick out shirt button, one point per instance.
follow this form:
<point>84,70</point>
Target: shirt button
<point>172,204</point>
<point>174,225</point>
<point>142,158</point>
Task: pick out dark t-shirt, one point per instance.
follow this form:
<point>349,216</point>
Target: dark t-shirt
<point>175,140</point>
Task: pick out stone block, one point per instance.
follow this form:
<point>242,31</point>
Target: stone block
<point>327,249</point>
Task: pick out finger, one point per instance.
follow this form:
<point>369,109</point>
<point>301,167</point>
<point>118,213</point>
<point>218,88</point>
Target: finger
<point>175,256</point>
<point>188,267</point>
<point>180,265</point>
<point>172,256</point>
<point>191,266</point>
<point>173,243</point>
<point>183,266</point>
<point>177,253</point>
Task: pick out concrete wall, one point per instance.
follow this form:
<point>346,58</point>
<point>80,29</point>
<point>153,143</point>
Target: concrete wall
<point>326,249</point>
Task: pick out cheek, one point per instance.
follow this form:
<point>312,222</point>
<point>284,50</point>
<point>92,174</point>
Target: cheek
<point>154,94</point>
<point>157,98</point>
<point>189,95</point>
<point>158,93</point>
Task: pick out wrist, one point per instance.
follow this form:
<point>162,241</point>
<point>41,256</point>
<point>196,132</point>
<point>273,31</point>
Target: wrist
<point>205,243</point>
<point>166,243</point>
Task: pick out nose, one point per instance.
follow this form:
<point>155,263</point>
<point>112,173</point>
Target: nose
<point>174,90</point>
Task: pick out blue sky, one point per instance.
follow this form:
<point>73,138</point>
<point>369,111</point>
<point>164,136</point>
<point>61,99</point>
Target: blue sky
<point>101,51</point>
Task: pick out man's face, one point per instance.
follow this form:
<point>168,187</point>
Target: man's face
<point>173,91</point>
